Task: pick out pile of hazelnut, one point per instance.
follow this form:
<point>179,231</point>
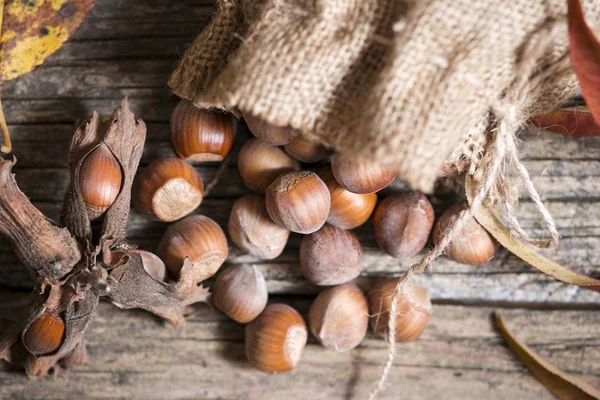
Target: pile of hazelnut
<point>291,193</point>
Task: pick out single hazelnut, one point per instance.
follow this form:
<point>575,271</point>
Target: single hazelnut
<point>252,230</point>
<point>199,238</point>
<point>45,334</point>
<point>298,201</point>
<point>275,340</point>
<point>413,309</point>
<point>168,190</point>
<point>348,210</point>
<point>153,265</point>
<point>200,135</point>
<point>339,317</point>
<point>330,256</point>
<point>402,223</point>
<point>276,136</point>
<point>365,176</point>
<point>240,291</point>
<point>260,163</point>
<point>472,246</point>
<point>307,151</point>
<point>100,180</point>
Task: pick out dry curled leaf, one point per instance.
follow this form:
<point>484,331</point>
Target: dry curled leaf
<point>560,383</point>
<point>585,57</point>
<point>490,220</point>
<point>572,121</point>
<point>31,31</point>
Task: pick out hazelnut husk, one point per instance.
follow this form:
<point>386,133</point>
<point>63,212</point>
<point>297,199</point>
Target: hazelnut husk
<point>100,180</point>
<point>276,136</point>
<point>276,339</point>
<point>339,317</point>
<point>201,135</point>
<point>361,176</point>
<point>472,246</point>
<point>348,210</point>
<point>298,201</point>
<point>402,223</point>
<point>240,291</point>
<point>45,334</point>
<point>330,256</point>
<point>252,230</point>
<point>168,190</point>
<point>198,238</point>
<point>306,150</point>
<point>260,163</point>
<point>412,312</point>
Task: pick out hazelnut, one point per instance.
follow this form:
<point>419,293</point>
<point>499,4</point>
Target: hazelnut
<point>306,150</point>
<point>200,135</point>
<point>252,230</point>
<point>100,180</point>
<point>275,340</point>
<point>45,334</point>
<point>402,223</point>
<point>348,210</point>
<point>199,238</point>
<point>365,176</point>
<point>240,291</point>
<point>168,190</point>
<point>330,256</point>
<point>339,317</point>
<point>298,201</point>
<point>472,246</point>
<point>260,163</point>
<point>276,136</point>
<point>153,265</point>
<point>413,309</point>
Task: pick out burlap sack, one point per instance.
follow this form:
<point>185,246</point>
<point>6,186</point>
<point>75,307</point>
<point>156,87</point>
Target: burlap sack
<point>413,83</point>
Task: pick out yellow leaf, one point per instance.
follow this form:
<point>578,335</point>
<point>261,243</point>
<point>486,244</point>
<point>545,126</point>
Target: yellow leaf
<point>561,384</point>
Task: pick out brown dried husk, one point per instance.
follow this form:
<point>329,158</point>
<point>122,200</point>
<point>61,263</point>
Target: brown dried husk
<point>413,83</point>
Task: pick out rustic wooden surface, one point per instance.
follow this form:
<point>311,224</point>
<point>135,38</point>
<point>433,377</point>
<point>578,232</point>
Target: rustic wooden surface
<point>128,48</point>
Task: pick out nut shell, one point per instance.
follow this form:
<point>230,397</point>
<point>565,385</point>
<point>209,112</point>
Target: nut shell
<point>252,230</point>
<point>200,135</point>
<point>330,256</point>
<point>472,246</point>
<point>153,265</point>
<point>339,317</point>
<point>306,150</point>
<point>275,340</point>
<point>168,190</point>
<point>45,334</point>
<point>348,210</point>
<point>260,163</point>
<point>363,176</point>
<point>402,223</point>
<point>412,312</point>
<point>240,291</point>
<point>268,133</point>
<point>298,201</point>
<point>199,238</point>
<point>100,179</point>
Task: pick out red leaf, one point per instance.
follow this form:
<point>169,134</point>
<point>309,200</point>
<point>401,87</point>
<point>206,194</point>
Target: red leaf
<point>585,57</point>
<point>574,121</point>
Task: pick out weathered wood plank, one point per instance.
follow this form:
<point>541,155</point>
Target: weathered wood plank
<point>203,358</point>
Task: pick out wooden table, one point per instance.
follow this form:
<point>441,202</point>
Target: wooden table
<point>128,48</point>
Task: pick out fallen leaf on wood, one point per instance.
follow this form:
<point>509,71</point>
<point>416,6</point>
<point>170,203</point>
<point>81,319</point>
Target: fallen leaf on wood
<point>31,31</point>
<point>558,382</point>
<point>585,57</point>
<point>490,220</point>
<point>572,121</point>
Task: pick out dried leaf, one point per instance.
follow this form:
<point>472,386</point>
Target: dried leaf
<point>31,30</point>
<point>490,220</point>
<point>561,384</point>
<point>572,121</point>
<point>585,57</point>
